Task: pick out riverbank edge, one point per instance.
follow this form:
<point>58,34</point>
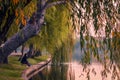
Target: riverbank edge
<point>34,69</point>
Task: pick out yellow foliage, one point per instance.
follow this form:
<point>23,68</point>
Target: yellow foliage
<point>16,13</point>
<point>117,34</point>
<point>23,21</point>
<point>15,2</point>
<point>113,33</point>
<point>21,13</point>
<point>17,21</point>
<point>22,17</point>
<point>32,5</point>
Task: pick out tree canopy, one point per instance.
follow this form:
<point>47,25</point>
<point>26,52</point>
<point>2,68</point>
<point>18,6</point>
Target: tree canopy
<point>9,10</point>
<point>49,26</point>
<point>101,15</point>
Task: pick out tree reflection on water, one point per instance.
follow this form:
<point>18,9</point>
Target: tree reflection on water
<point>103,64</point>
<point>58,69</point>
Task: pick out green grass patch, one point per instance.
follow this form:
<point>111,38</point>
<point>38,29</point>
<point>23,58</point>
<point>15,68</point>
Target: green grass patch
<point>14,69</point>
<point>37,59</point>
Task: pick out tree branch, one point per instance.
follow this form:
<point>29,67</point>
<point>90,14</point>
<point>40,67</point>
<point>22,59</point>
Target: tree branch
<point>56,3</point>
<point>9,20</point>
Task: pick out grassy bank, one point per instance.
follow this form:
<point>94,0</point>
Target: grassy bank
<point>13,70</point>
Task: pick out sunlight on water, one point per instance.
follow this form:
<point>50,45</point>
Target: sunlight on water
<point>74,70</point>
<point>92,72</point>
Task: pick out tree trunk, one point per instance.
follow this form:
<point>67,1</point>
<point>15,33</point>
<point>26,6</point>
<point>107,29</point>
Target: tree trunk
<point>17,40</point>
<point>22,51</point>
<point>9,21</point>
<point>5,60</point>
<point>30,52</point>
<point>31,29</point>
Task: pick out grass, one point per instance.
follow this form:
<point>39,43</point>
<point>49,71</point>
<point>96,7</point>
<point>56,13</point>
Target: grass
<point>14,69</point>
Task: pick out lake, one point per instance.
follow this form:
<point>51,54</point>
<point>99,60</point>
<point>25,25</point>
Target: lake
<point>74,70</point>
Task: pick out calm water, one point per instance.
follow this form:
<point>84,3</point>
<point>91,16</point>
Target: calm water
<point>73,70</point>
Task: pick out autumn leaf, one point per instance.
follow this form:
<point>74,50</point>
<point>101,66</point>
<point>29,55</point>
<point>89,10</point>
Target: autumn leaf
<point>15,2</point>
<point>16,13</point>
<point>23,21</point>
<point>21,13</point>
<point>17,21</point>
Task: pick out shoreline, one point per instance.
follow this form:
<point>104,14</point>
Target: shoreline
<point>34,69</point>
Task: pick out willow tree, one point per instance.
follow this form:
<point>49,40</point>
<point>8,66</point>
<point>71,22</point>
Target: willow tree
<point>99,27</point>
<point>31,29</point>
<point>101,14</point>
<point>9,10</point>
<point>56,23</point>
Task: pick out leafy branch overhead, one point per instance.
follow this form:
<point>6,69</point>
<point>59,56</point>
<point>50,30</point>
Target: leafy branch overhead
<point>32,28</point>
<point>92,18</point>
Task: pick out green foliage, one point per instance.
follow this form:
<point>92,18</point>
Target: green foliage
<point>64,53</point>
<point>28,11</point>
<point>55,31</point>
<point>36,60</point>
<point>99,14</point>
<point>56,26</point>
<point>10,8</point>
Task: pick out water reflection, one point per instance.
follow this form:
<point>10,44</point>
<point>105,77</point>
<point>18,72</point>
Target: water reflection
<point>65,67</point>
<point>76,71</point>
<point>59,72</point>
